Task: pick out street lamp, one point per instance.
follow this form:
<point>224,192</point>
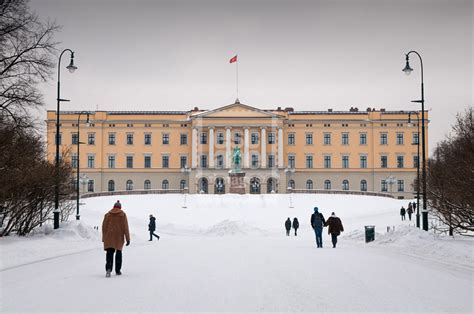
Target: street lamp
<point>407,71</point>
<point>288,186</point>
<point>417,166</point>
<point>391,181</point>
<point>78,160</point>
<point>71,67</point>
<point>187,171</point>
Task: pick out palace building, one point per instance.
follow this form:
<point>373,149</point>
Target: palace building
<point>355,150</point>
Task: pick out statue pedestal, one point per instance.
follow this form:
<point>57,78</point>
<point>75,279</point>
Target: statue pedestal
<point>237,185</point>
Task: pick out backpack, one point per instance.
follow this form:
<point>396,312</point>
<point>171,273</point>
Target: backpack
<point>318,220</point>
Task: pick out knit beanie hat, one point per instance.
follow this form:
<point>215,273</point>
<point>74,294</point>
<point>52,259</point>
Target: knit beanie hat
<point>117,204</point>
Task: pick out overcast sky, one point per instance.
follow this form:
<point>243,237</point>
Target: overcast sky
<point>310,55</point>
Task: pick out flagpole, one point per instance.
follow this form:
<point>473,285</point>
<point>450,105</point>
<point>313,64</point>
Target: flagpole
<point>237,76</point>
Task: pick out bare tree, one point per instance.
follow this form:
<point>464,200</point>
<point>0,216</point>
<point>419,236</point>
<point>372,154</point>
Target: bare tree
<point>26,51</point>
<point>450,177</point>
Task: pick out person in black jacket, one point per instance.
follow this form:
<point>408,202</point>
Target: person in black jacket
<point>288,226</point>
<point>318,223</point>
<point>152,228</point>
<point>296,224</point>
<point>402,213</point>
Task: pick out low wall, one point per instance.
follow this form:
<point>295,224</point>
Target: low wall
<point>342,192</point>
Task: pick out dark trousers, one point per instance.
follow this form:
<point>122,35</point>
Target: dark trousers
<point>403,217</point>
<point>287,232</point>
<point>109,260</point>
<point>334,239</point>
<point>295,231</point>
<point>409,217</point>
<point>319,236</point>
<point>152,233</point>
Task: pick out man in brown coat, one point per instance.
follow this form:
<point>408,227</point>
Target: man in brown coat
<point>334,228</point>
<point>114,230</point>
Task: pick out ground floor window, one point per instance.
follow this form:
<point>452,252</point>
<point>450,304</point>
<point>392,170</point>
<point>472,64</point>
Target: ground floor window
<point>129,185</point>
<point>327,184</point>
<point>254,186</point>
<point>345,185</point>
<point>90,186</point>
<point>147,184</point>
<point>309,184</point>
<point>363,185</point>
<point>111,186</point>
<point>165,184</point>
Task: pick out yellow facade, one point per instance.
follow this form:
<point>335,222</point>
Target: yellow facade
<point>326,146</point>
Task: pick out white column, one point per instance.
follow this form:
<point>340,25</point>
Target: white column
<point>246,148</point>
<point>280,148</point>
<point>263,158</point>
<point>194,140</point>
<point>211,148</point>
<point>227,149</point>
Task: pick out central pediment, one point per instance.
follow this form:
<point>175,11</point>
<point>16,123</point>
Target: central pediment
<point>236,110</point>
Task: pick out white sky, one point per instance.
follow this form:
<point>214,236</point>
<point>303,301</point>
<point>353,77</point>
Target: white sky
<point>310,55</point>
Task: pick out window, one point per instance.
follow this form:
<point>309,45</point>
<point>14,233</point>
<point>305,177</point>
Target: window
<point>203,161</point>
<point>220,161</point>
<point>416,161</point>
<point>327,184</point>
<point>182,184</point>
<point>90,186</point>
<point>383,139</point>
<point>165,138</point>
<point>57,139</point>
<point>291,138</point>
<point>401,185</point>
<point>327,162</point>
<point>363,185</point>
<point>415,138</point>
<point>254,161</point>
<point>183,139</point>
<point>129,139</point>
<point>383,161</point>
<point>74,161</point>
<point>111,138</point>
<point>74,138</point>
<point>129,162</point>
<point>345,185</point>
<point>183,161</point>
<point>399,138</point>
<point>309,184</point>
<point>111,162</point>
<point>345,139</point>
<point>291,161</point>
<point>129,185</point>
<point>363,138</point>
<point>309,161</point>
<point>399,161</point>
<point>203,138</point>
<point>147,162</point>
<point>237,138</point>
<point>111,186</point>
<point>91,138</point>
<point>147,138</point>
<point>291,184</point>
<point>345,161</point>
<point>384,186</point>
<point>165,184</point>
<point>220,138</point>
<point>90,161</point>
<point>363,161</point>
<point>147,185</point>
<point>271,138</point>
<point>271,161</point>
<point>327,138</point>
<point>254,138</point>
<point>165,161</point>
<point>309,138</point>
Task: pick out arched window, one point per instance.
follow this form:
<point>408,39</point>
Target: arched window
<point>272,186</point>
<point>203,185</point>
<point>90,186</point>
<point>147,184</point>
<point>345,185</point>
<point>309,184</point>
<point>327,184</point>
<point>363,185</point>
<point>182,184</point>
<point>165,184</point>
<point>129,185</point>
<point>111,186</point>
<point>291,184</point>
<point>255,186</point>
<point>219,187</point>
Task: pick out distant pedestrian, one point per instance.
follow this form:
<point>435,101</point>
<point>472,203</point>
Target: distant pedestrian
<point>288,226</point>
<point>296,224</point>
<point>114,232</point>
<point>402,213</point>
<point>414,207</point>
<point>334,228</point>
<point>318,223</point>
<point>152,228</point>
<point>409,212</point>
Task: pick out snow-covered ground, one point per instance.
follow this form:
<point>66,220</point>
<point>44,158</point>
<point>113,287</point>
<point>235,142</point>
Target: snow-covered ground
<point>230,253</point>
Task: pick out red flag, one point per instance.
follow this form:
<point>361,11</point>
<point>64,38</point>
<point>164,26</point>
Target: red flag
<point>234,59</point>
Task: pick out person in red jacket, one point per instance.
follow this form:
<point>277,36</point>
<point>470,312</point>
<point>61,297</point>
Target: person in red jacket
<point>334,228</point>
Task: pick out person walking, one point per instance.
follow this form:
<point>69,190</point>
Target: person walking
<point>318,222</point>
<point>409,212</point>
<point>334,228</point>
<point>296,224</point>
<point>114,230</point>
<point>288,226</point>
<point>402,213</point>
<point>152,228</point>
